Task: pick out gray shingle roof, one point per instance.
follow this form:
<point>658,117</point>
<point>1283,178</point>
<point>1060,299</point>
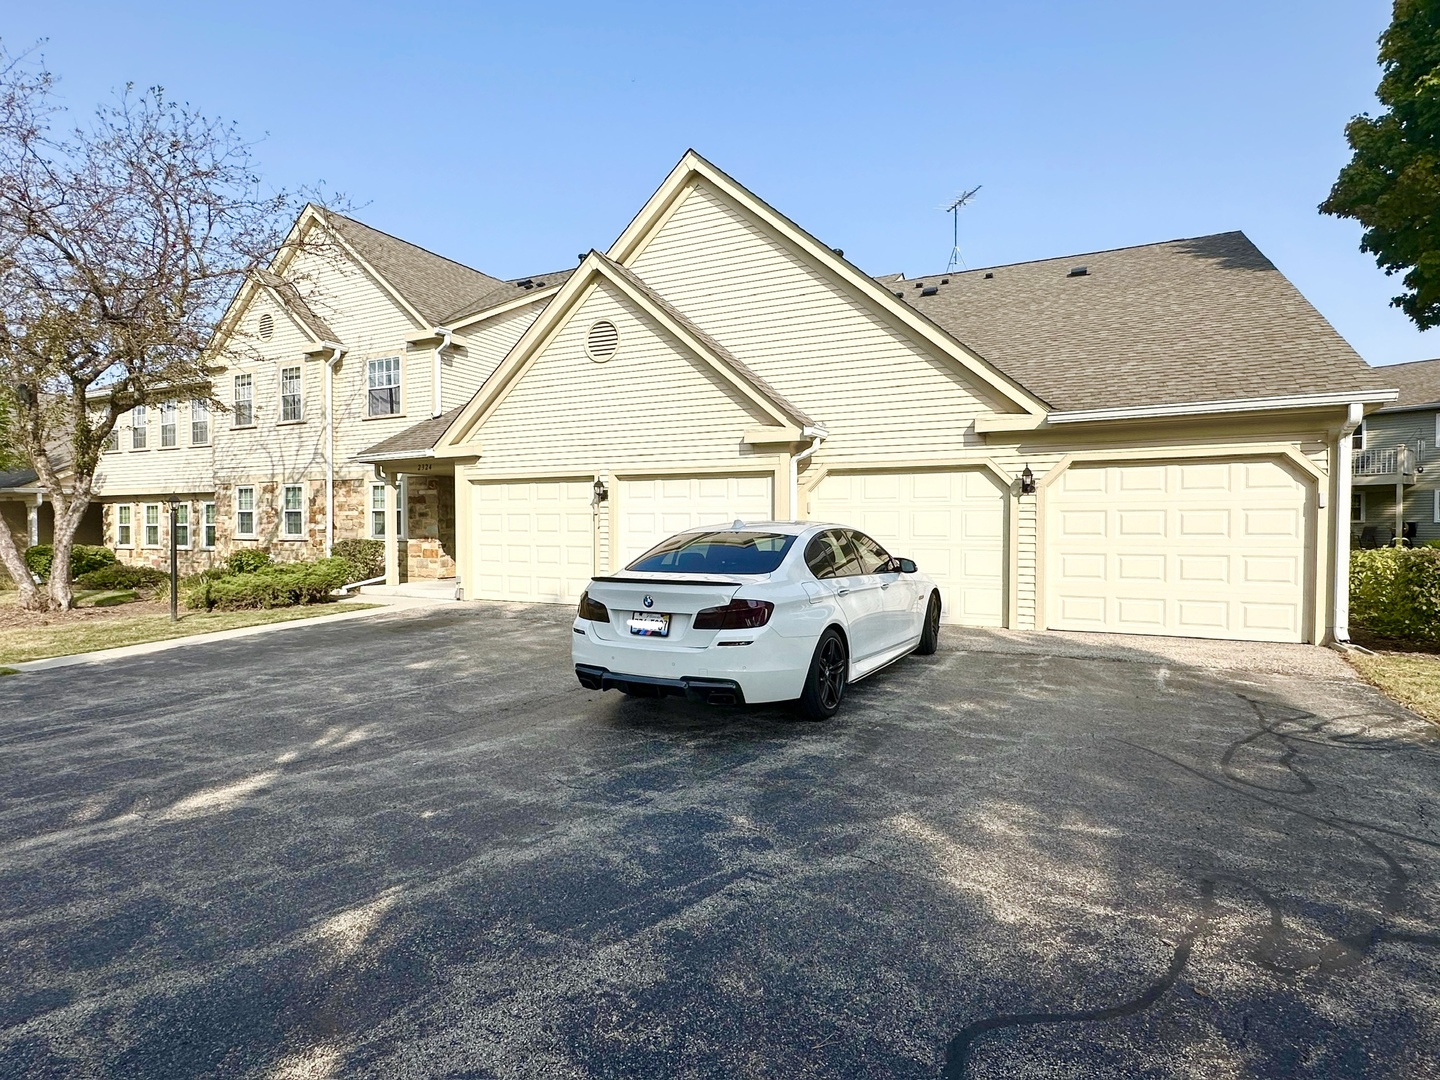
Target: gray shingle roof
<point>507,291</point>
<point>13,478</point>
<point>413,440</point>
<point>1203,319</point>
<point>1418,382</point>
<point>430,283</point>
<point>290,297</point>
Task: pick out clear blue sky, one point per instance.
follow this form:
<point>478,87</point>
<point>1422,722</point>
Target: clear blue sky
<point>513,136</point>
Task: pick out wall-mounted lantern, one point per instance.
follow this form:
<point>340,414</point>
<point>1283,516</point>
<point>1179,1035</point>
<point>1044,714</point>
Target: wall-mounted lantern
<point>1027,482</point>
<point>602,493</point>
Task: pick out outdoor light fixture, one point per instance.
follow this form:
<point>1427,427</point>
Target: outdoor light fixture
<point>602,493</point>
<point>1027,482</point>
<point>174,503</point>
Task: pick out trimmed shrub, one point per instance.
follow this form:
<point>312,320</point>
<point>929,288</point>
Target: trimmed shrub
<point>83,559</point>
<point>119,576</point>
<point>1395,592</point>
<point>367,556</point>
<point>273,585</point>
<point>247,561</point>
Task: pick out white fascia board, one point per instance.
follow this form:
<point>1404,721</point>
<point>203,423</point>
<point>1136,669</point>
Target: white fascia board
<point>502,308</point>
<point>404,455</point>
<point>1200,408</point>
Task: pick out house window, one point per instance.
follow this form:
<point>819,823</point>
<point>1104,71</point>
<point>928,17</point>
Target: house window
<point>290,394</point>
<point>167,424</point>
<point>1357,506</point>
<point>199,423</point>
<point>207,520</point>
<point>377,511</point>
<point>112,441</point>
<point>294,512</point>
<point>152,524</point>
<point>137,428</point>
<point>122,526</point>
<point>1357,440</point>
<point>385,386</point>
<point>182,525</point>
<point>244,403</point>
<point>245,511</point>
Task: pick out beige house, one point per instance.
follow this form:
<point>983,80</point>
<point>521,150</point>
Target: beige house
<point>1149,440</point>
<point>352,336</point>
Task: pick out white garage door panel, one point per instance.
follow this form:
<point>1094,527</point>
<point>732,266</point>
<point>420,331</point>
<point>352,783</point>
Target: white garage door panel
<point>952,523</point>
<point>534,540</point>
<point>652,509</point>
<point>1210,549</point>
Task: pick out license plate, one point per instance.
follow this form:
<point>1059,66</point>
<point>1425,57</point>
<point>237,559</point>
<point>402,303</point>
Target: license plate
<point>649,624</point>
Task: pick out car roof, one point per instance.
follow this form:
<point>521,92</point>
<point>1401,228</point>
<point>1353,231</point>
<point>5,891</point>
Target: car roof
<point>784,528</point>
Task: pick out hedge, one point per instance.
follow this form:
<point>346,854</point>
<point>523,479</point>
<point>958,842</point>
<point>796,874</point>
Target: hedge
<point>368,557</point>
<point>273,585</point>
<point>83,559</point>
<point>1395,592</point>
<point>120,576</point>
<point>247,560</point>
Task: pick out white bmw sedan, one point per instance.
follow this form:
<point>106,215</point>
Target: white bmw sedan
<point>769,611</point>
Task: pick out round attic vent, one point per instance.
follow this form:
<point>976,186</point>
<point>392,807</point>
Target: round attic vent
<point>602,341</point>
<point>267,326</point>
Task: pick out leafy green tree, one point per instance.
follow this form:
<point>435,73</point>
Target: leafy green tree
<point>1392,182</point>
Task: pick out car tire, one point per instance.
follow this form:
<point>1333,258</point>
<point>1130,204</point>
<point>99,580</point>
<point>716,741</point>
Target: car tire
<point>825,682</point>
<point>930,635</point>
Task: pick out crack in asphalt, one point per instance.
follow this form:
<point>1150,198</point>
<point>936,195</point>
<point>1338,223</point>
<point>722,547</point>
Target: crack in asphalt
<point>1274,945</point>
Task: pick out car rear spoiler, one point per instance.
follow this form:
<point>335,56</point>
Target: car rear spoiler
<point>712,582</point>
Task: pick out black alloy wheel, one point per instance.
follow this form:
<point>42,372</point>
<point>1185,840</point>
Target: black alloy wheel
<point>825,683</point>
<point>930,635</point>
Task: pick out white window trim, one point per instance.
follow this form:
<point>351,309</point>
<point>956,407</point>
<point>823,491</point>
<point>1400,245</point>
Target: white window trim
<point>285,533</point>
<point>235,400</point>
<point>200,408</point>
<point>300,394</point>
<point>254,512</point>
<point>145,524</point>
<point>207,510</point>
<point>399,387</point>
<point>370,511</point>
<point>139,424</point>
<point>188,525</point>
<point>128,545</point>
<point>1360,438</point>
<point>174,425</point>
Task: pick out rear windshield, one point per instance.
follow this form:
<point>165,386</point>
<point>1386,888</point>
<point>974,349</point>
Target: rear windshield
<point>716,553</point>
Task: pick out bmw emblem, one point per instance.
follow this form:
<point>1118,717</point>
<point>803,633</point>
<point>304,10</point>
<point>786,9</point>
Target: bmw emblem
<point>649,600</point>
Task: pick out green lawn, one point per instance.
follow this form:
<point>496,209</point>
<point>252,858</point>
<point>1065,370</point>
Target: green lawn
<point>25,637</point>
<point>1411,678</point>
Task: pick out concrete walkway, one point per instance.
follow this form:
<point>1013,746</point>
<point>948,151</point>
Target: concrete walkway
<point>383,605</point>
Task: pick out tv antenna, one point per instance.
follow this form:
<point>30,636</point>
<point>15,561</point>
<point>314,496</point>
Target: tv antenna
<point>954,211</point>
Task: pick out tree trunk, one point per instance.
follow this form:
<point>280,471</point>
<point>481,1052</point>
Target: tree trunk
<point>62,596</point>
<point>13,557</point>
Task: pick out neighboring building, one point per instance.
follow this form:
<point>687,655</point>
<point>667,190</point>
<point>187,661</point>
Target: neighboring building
<point>30,515</point>
<point>1146,440</point>
<point>1397,463</point>
<point>350,337</point>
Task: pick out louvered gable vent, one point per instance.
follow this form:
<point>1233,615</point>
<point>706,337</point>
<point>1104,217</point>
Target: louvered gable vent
<point>602,341</point>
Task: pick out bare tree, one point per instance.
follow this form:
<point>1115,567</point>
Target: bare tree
<point>121,243</point>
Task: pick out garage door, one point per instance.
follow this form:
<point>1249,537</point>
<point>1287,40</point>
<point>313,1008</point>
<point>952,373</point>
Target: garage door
<point>1207,549</point>
<point>951,523</point>
<point>534,540</point>
<point>652,509</point>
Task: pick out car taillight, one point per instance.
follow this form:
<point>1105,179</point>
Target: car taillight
<point>736,615</point>
<point>593,610</point>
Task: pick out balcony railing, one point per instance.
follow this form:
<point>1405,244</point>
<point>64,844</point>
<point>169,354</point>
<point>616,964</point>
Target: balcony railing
<point>1397,461</point>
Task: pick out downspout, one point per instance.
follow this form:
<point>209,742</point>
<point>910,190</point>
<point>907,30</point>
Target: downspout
<point>816,437</point>
<point>436,408</point>
<point>337,353</point>
<point>1340,601</point>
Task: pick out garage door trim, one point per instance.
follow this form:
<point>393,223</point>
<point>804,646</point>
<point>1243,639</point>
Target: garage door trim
<point>1009,484</point>
<point>1318,570</point>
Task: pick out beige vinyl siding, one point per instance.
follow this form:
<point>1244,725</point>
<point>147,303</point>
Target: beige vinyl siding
<point>487,343</point>
<point>880,394</point>
<point>653,404</point>
<point>181,468</point>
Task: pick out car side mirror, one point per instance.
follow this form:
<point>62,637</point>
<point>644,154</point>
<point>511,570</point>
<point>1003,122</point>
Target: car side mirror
<point>906,566</point>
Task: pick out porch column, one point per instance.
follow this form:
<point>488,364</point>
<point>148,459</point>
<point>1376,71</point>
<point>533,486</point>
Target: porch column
<point>32,518</point>
<point>392,537</point>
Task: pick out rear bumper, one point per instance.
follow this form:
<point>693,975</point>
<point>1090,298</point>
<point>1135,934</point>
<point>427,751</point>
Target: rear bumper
<point>707,691</point>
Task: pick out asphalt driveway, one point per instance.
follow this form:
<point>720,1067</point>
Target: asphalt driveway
<point>412,845</point>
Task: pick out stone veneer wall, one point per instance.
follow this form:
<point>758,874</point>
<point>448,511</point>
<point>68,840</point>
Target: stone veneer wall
<point>430,527</point>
